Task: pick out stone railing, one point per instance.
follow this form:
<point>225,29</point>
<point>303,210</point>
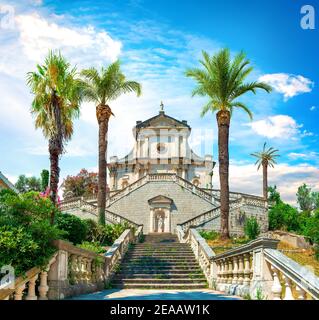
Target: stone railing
<point>92,209</point>
<point>72,271</point>
<point>255,269</point>
<point>208,216</point>
<point>158,177</point>
<point>203,253</point>
<point>33,285</point>
<point>233,196</point>
<point>115,254</point>
<point>259,270</point>
<point>289,277</point>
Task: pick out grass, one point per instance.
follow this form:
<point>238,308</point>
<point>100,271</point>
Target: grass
<point>221,246</point>
<point>305,257</point>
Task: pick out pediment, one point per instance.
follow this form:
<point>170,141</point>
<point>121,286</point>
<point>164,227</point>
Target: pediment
<point>160,199</point>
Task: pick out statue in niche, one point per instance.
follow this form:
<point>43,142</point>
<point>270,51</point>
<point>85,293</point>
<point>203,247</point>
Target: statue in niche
<point>160,223</point>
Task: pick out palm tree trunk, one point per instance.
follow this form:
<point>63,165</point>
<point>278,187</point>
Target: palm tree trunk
<point>265,180</point>
<point>223,121</point>
<point>103,113</point>
<point>54,172</point>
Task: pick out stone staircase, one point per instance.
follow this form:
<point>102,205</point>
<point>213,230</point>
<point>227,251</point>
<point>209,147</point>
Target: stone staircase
<point>160,262</point>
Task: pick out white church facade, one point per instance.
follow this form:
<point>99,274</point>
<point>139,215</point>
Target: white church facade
<point>163,184</point>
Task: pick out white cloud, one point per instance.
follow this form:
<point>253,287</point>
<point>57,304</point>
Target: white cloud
<point>288,84</point>
<point>246,178</point>
<point>313,108</point>
<point>304,156</point>
<point>280,126</point>
<point>38,35</point>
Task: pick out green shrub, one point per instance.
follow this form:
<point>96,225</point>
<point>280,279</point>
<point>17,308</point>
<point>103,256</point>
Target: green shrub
<point>209,235</point>
<point>92,246</point>
<point>26,234</point>
<point>75,228</point>
<point>251,229</point>
<point>282,216</point>
<point>106,235</point>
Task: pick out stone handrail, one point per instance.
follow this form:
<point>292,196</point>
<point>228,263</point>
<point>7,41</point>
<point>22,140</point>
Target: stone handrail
<point>160,177</point>
<point>203,253</point>
<point>208,215</point>
<point>92,208</point>
<point>294,275</point>
<point>250,199</point>
<point>72,271</point>
<point>16,290</point>
<point>259,267</point>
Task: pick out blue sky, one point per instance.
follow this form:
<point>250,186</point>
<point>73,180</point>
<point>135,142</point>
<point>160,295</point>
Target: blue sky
<point>156,41</point>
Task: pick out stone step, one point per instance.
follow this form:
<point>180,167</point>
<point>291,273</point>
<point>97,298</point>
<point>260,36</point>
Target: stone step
<point>167,276</point>
<point>156,281</point>
<point>159,255</point>
<point>159,269</point>
<point>175,286</point>
<point>160,264</point>
<point>163,258</point>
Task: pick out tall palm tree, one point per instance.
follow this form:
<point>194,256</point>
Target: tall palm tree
<point>102,87</point>
<point>56,102</point>
<point>266,158</point>
<point>222,80</point>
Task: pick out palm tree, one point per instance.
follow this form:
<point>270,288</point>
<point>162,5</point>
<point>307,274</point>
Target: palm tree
<point>222,81</point>
<point>266,158</point>
<point>57,96</point>
<point>102,87</point>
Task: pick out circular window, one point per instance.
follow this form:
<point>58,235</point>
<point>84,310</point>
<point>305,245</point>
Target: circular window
<point>161,148</point>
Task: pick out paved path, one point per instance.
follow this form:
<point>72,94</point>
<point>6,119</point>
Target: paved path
<point>139,294</point>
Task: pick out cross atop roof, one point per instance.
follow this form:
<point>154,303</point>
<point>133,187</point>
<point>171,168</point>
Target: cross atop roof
<point>162,106</point>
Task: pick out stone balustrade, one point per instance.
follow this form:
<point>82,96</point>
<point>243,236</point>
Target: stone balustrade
<point>203,253</point>
<point>71,271</point>
<point>110,216</point>
<point>33,285</point>
<point>256,269</point>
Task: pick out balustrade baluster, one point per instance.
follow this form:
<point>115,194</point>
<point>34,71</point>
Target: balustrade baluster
<point>276,286</point>
<point>235,270</point>
<point>240,269</point>
<point>301,293</point>
<point>247,270</point>
<point>230,271</point>
<point>43,287</point>
<point>31,289</point>
<point>288,292</point>
<point>19,292</point>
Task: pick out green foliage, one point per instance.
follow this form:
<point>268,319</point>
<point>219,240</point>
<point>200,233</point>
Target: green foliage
<point>26,184</point>
<point>209,235</point>
<point>92,246</point>
<point>251,228</point>
<point>26,234</point>
<point>310,227</point>
<point>273,196</point>
<point>83,184</point>
<point>44,179</point>
<point>105,235</point>
<point>75,228</point>
<point>260,295</point>
<point>304,198</point>
<point>283,216</point>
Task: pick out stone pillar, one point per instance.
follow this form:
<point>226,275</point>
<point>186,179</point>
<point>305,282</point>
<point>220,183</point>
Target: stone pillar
<point>151,220</point>
<point>167,223</point>
<point>58,277</point>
